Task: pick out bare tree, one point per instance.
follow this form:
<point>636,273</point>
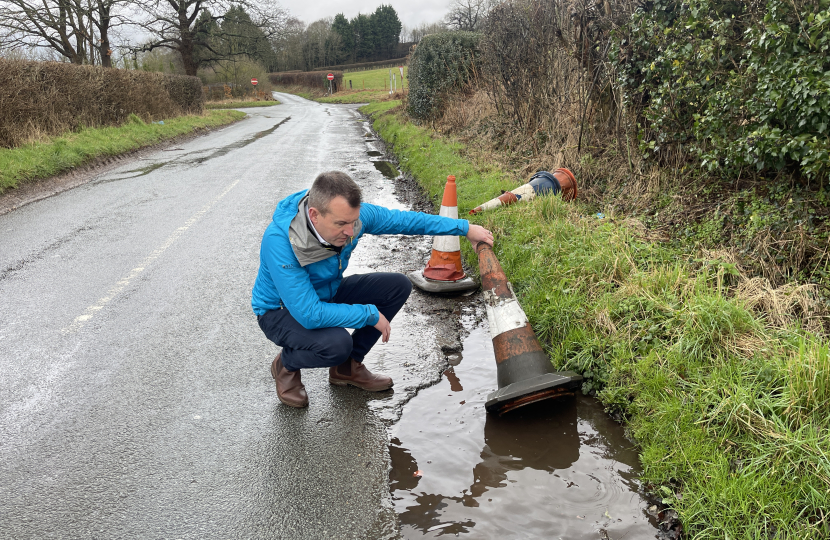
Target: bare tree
<point>321,44</point>
<point>467,14</point>
<point>79,30</point>
<point>414,34</point>
<point>289,46</point>
<point>191,27</point>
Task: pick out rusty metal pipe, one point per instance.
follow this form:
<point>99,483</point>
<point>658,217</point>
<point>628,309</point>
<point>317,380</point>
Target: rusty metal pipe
<point>525,374</point>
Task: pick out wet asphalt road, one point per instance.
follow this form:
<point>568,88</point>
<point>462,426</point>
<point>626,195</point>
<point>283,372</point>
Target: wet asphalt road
<point>136,397</point>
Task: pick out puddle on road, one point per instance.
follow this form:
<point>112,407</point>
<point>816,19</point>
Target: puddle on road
<point>241,144</point>
<point>562,469</point>
<point>386,169</point>
<point>195,161</point>
<point>139,172</point>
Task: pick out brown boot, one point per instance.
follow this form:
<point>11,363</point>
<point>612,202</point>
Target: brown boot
<point>290,387</point>
<point>356,374</point>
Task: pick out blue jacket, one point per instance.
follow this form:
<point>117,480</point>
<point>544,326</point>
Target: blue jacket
<point>297,273</point>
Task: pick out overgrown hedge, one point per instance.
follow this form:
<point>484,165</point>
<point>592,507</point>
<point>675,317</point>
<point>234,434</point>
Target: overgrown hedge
<point>742,85</point>
<point>441,65</point>
<point>309,79</point>
<point>50,98</point>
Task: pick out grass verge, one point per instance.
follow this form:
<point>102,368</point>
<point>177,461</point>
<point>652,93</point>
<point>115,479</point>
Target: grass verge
<point>239,104</point>
<point>44,159</point>
<point>719,377</point>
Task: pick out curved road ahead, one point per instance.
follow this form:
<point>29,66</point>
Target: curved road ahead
<point>136,395</point>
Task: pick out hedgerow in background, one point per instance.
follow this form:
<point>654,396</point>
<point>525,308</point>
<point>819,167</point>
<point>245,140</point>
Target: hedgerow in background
<point>441,65</point>
<point>40,99</point>
<point>737,85</point>
<point>309,79</point>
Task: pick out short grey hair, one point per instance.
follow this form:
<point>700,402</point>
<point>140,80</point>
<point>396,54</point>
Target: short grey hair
<point>329,185</point>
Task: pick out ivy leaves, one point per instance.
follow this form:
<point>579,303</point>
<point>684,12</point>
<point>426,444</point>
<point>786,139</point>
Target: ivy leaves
<point>736,87</point>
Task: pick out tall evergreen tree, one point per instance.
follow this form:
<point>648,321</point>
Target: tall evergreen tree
<point>387,28</point>
<point>364,36</point>
<point>241,36</point>
<point>344,29</point>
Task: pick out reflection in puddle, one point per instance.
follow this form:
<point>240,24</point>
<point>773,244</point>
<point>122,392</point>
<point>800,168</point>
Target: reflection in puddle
<point>245,142</point>
<point>386,169</point>
<point>558,469</point>
<point>136,172</point>
<point>199,160</point>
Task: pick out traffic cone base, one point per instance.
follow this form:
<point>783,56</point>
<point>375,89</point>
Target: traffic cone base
<point>524,392</point>
<point>430,285</point>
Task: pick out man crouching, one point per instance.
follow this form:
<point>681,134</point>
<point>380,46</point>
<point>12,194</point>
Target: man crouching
<point>301,299</point>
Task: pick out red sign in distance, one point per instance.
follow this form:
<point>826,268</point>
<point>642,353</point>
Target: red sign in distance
<point>254,81</point>
<point>330,76</point>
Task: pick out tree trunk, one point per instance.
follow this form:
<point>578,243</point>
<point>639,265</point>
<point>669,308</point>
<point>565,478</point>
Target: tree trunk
<point>186,50</point>
<point>186,42</point>
<point>103,29</point>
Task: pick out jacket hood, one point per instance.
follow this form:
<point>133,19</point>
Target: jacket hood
<point>307,248</point>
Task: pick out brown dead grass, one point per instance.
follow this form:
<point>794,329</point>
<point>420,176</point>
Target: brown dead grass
<point>784,305</point>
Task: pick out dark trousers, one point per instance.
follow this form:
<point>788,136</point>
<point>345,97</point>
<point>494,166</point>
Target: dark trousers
<point>325,347</point>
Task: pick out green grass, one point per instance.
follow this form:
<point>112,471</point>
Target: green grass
<point>44,159</point>
<point>367,96</point>
<point>732,413</point>
<point>240,104</point>
<point>376,79</point>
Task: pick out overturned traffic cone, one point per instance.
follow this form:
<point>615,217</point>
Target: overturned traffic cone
<point>444,272</point>
<point>561,180</point>
<point>525,374</point>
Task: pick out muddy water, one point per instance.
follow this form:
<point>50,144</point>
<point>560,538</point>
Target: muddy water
<point>386,168</point>
<point>560,470</point>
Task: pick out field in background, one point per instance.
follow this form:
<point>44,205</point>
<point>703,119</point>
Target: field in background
<point>376,79</point>
<point>367,87</point>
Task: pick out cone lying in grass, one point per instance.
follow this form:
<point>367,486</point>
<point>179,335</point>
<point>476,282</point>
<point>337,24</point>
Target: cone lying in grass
<point>444,272</point>
<point>525,374</point>
<point>561,180</point>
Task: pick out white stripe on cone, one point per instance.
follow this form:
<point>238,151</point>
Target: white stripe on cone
<point>503,314</point>
<point>447,244</point>
<point>449,211</point>
<point>525,192</point>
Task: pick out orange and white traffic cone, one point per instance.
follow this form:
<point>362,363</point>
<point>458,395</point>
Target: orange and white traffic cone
<point>562,181</point>
<point>444,272</point>
<point>525,374</point>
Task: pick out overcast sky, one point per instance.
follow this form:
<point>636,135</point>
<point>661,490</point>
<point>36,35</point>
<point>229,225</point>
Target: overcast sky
<point>410,13</point>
